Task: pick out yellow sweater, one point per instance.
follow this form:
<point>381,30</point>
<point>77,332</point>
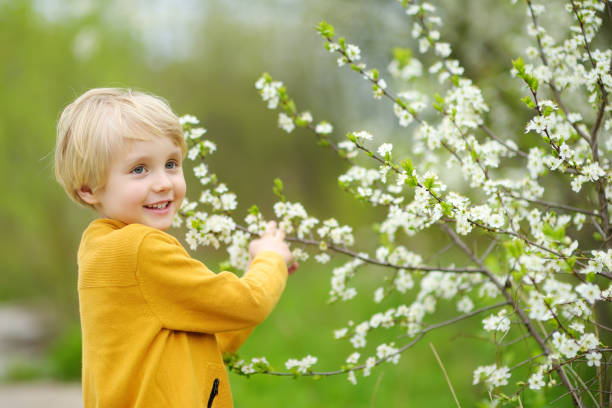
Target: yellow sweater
<point>155,321</point>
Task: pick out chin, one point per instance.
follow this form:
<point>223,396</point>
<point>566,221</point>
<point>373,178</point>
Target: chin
<point>158,224</point>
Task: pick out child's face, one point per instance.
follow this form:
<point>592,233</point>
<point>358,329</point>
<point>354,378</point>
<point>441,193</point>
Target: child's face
<point>145,184</point>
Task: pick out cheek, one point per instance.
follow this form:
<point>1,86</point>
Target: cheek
<point>133,193</point>
<point>180,187</point>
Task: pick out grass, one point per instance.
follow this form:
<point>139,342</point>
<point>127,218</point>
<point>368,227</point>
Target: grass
<point>302,324</point>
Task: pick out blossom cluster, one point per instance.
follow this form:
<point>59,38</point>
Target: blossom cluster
<point>471,183</point>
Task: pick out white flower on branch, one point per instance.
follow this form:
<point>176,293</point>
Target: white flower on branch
<point>228,202</point>
<point>322,258</point>
<point>285,123</point>
<point>589,291</point>
<point>369,364</point>
<point>324,128</point>
<point>269,92</point>
<point>537,259</point>
<point>443,49</point>
<point>201,170</point>
<point>536,381</point>
<point>403,281</point>
<point>577,326</point>
<point>353,358</point>
<point>491,375</point>
<point>302,366</point>
<point>188,120</point>
<point>353,52</point>
<point>412,69</point>
<point>379,295</point>
<point>465,305</point>
<point>385,148</point>
<point>588,341</point>
<point>499,322</point>
<point>594,359</point>
<point>537,307</point>
<point>413,9</point>
<point>384,351</point>
<point>565,345</point>
<point>340,333</point>
<point>423,45</point>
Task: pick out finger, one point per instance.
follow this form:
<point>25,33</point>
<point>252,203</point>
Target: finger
<point>280,234</point>
<point>270,228</point>
<point>294,267</point>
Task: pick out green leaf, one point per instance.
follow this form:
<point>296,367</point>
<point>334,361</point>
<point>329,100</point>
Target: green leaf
<point>556,234</point>
<point>514,248</point>
<point>402,56</point>
<point>531,81</point>
<point>254,210</point>
<point>529,102</point>
<point>474,154</point>
<point>290,107</point>
<point>447,208</point>
<point>429,183</point>
<point>278,189</point>
<point>325,29</point>
<point>407,165</point>
<point>519,65</point>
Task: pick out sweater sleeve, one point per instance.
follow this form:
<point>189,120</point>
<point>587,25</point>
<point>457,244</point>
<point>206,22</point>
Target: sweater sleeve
<point>185,295</point>
<point>231,341</point>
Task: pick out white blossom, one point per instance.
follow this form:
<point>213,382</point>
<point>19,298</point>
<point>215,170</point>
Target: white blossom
<point>590,292</point>
<point>324,128</point>
<point>285,123</point>
<point>302,366</point>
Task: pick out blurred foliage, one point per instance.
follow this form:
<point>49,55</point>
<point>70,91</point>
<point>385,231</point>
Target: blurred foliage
<point>64,356</point>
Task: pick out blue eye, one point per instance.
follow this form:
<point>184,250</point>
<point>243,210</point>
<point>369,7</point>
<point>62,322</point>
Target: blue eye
<point>171,165</point>
<point>138,170</point>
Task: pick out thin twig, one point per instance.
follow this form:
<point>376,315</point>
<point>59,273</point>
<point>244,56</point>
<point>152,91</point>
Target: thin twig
<point>522,363</point>
<point>553,205</point>
<point>503,288</point>
<point>418,337</point>
<point>335,248</point>
<point>376,387</point>
<point>492,135</point>
<point>448,381</point>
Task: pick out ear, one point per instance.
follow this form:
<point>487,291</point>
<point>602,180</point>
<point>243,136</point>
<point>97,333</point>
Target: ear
<point>87,195</point>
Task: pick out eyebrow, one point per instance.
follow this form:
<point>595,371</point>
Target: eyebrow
<point>143,158</point>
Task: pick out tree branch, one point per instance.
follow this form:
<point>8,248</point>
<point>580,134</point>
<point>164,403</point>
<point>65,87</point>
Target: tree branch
<point>419,336</point>
<point>505,290</point>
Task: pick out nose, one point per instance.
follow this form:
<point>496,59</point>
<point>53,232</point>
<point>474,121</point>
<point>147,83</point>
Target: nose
<point>161,182</point>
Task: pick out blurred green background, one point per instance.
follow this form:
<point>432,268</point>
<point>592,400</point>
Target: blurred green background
<point>204,57</point>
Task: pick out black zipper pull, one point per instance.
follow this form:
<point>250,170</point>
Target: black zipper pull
<point>213,392</point>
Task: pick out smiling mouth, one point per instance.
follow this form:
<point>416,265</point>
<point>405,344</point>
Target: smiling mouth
<point>158,206</point>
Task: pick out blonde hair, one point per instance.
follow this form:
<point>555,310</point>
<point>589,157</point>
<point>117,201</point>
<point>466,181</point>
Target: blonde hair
<point>93,127</point>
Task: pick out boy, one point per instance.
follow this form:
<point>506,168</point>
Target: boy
<point>155,322</point>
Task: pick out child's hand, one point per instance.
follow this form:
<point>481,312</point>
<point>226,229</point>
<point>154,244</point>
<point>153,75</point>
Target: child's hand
<point>273,240</point>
